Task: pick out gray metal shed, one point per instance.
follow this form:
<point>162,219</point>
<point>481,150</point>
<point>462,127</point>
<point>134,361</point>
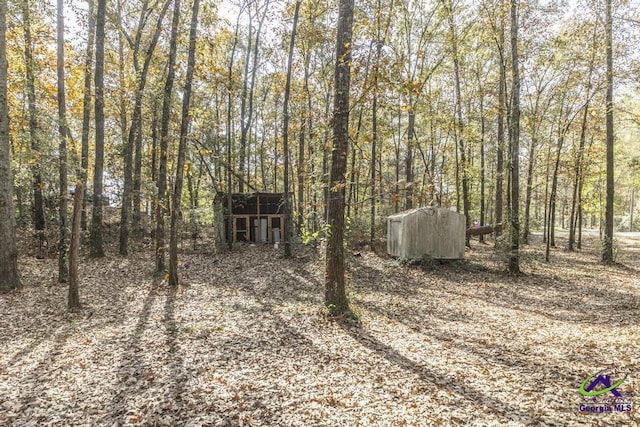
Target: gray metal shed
<point>435,232</point>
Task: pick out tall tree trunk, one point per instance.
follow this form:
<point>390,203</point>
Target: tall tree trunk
<point>482,165</point>
<point>86,111</point>
<point>514,254</point>
<point>502,101</point>
<point>302,174</point>
<point>607,243</point>
<point>63,268</point>
<point>230,235</point>
<point>409,159</point>
<point>335,291</point>
<point>244,126</point>
<point>161,206</point>
<point>9,277</point>
<point>527,203</point>
<point>182,148</point>
<point>553,197</point>
<point>97,249</point>
<point>38,199</point>
<point>73,298</point>
<point>459,122</point>
<point>285,137</point>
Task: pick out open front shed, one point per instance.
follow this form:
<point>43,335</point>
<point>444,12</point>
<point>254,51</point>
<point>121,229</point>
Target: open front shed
<point>434,232</point>
<point>255,217</point>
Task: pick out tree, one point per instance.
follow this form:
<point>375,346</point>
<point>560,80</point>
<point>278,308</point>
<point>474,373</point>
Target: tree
<point>335,291</point>
<point>514,254</point>
<point>9,277</point>
<point>164,140</point>
<point>96,243</point>
<point>86,110</point>
<point>38,198</point>
<point>182,148</point>
<point>285,137</point>
<point>607,241</point>
<point>63,269</point>
<point>73,299</point>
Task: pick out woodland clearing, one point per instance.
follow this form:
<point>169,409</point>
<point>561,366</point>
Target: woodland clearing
<point>245,341</point>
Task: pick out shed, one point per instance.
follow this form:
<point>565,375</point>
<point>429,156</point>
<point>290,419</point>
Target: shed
<point>434,232</point>
<point>255,217</point>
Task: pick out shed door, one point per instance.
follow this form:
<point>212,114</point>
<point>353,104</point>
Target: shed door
<point>395,237</point>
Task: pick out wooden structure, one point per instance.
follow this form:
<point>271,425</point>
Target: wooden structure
<point>432,232</point>
<point>481,230</point>
<point>255,217</point>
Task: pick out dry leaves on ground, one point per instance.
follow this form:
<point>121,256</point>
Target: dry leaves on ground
<point>245,341</point>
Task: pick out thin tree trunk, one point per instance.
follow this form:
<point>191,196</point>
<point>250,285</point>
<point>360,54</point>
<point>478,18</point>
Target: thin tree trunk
<point>9,276</point>
<point>502,84</point>
<point>161,206</point>
<point>86,111</point>
<point>73,299</point>
<point>607,242</point>
<point>63,268</point>
<point>527,202</point>
<point>301,152</point>
<point>460,124</point>
<point>482,166</point>
<point>335,291</point>
<point>182,148</point>
<point>285,138</point>
<point>38,199</point>
<point>514,255</point>
<point>229,137</point>
<point>96,217</point>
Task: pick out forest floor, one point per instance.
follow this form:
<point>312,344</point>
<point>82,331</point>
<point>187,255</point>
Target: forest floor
<point>245,341</point>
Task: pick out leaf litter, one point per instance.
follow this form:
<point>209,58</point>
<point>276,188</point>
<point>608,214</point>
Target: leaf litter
<point>245,341</point>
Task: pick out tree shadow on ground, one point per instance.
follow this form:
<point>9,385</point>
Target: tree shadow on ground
<point>469,394</point>
<point>556,298</point>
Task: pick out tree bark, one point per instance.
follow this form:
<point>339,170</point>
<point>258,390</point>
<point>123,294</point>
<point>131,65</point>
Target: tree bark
<point>97,249</point>
<point>335,291</point>
<point>38,199</point>
<point>502,84</point>
<point>514,254</point>
<point>182,149</point>
<point>285,137</point>
<point>9,277</point>
<point>73,299</point>
<point>459,121</point>
<point>607,241</point>
<point>63,268</point>
<point>161,206</point>
<point>86,110</point>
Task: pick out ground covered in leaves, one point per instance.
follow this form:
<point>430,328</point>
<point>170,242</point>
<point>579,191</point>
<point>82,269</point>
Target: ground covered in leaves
<point>245,341</point>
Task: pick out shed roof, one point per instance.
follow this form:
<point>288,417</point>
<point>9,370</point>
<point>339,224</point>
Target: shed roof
<point>423,210</point>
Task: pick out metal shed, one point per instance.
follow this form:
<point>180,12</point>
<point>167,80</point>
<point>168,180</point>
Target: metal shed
<point>434,232</point>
